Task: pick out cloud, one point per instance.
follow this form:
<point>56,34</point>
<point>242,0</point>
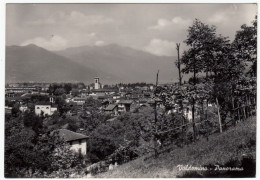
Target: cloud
<point>224,15</point>
<point>81,19</point>
<point>47,21</point>
<point>161,47</point>
<point>163,23</point>
<point>99,43</point>
<point>92,34</point>
<point>220,17</point>
<point>74,18</point>
<point>54,43</point>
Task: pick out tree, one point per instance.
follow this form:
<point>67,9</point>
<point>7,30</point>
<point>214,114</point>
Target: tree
<point>15,109</point>
<point>33,121</point>
<point>59,91</point>
<point>67,87</point>
<point>245,44</point>
<point>200,39</point>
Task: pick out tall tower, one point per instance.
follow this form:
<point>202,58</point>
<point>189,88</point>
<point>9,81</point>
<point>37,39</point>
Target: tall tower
<point>97,84</point>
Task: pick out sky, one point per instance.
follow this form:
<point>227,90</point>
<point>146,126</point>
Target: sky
<point>154,28</point>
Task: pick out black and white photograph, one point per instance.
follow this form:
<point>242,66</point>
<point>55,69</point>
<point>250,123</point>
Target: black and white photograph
<point>130,90</point>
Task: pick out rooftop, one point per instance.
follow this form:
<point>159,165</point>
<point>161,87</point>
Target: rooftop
<point>103,90</point>
<point>125,102</point>
<point>110,107</point>
<point>68,135</point>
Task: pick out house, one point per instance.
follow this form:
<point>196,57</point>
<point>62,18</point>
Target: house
<point>8,110</point>
<point>46,109</point>
<point>112,109</point>
<point>21,89</point>
<point>102,92</point>
<point>77,141</point>
<point>23,108</point>
<point>79,101</point>
<point>187,114</point>
<point>158,102</point>
<point>9,94</point>
<point>116,96</point>
<point>142,101</point>
<point>124,105</point>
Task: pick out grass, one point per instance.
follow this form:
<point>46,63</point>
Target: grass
<point>220,149</point>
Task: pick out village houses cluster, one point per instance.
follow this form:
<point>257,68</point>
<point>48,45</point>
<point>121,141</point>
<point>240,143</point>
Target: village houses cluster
<point>115,100</point>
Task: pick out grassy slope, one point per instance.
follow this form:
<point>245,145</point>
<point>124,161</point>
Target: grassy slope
<point>219,149</point>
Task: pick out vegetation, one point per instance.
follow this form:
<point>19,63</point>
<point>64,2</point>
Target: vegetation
<point>219,149</point>
<point>30,149</point>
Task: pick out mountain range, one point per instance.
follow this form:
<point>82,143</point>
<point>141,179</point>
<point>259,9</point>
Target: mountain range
<point>112,63</point>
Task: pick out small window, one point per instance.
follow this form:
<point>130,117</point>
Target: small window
<point>79,151</point>
<point>38,107</point>
<point>80,142</point>
<point>47,107</point>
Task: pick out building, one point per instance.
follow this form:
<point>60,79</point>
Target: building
<point>124,105</point>
<point>46,109</point>
<point>102,92</point>
<point>21,89</point>
<point>8,110</point>
<point>187,114</point>
<point>116,96</point>
<point>23,108</point>
<point>77,141</point>
<point>112,109</point>
<point>97,84</point>
<point>79,101</point>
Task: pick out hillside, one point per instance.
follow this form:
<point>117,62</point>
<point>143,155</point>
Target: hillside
<point>33,63</point>
<point>129,64</point>
<point>220,149</point>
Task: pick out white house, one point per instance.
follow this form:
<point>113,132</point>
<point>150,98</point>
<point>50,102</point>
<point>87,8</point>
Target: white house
<point>124,105</point>
<point>23,108</point>
<point>187,114</point>
<point>46,109</point>
<point>77,141</point>
<point>79,101</point>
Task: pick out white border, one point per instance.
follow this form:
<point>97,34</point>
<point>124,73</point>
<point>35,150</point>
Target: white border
<point>3,41</point>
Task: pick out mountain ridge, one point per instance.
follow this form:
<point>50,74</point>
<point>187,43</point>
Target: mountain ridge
<point>112,63</point>
<point>34,63</point>
<point>131,64</point>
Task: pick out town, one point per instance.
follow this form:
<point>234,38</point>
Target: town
<point>113,100</point>
<point>115,95</point>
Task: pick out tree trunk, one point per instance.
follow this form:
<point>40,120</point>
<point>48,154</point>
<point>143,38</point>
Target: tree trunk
<point>155,122</point>
<point>244,111</point>
<point>207,109</point>
<point>233,112</point>
<point>179,63</point>
<point>219,117</point>
<point>238,112</point>
<point>193,119</point>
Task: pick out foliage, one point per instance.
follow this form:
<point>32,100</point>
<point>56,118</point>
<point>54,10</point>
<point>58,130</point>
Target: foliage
<point>245,45</point>
<point>30,150</point>
<point>33,121</point>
